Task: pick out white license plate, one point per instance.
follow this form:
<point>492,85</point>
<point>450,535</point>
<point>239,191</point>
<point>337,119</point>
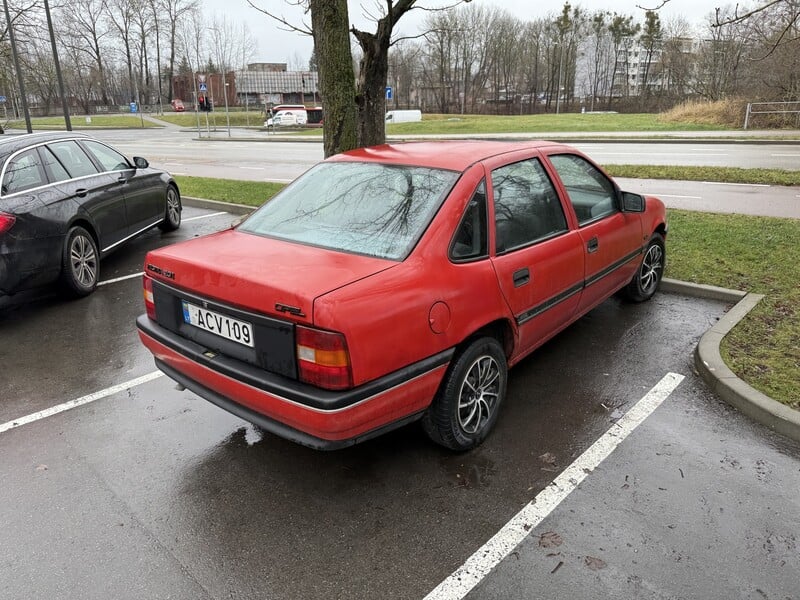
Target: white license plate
<point>208,320</point>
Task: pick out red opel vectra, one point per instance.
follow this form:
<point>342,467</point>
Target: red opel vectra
<point>397,283</point>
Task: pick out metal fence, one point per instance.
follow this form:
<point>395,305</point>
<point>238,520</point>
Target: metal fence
<point>770,108</point>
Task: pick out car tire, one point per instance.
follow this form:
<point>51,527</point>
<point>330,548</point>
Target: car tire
<point>172,210</point>
<point>80,263</point>
<point>466,406</point>
<point>647,278</point>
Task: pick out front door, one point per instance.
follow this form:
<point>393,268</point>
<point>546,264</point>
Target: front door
<point>611,239</point>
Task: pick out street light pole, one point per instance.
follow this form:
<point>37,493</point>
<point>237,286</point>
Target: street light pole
<point>64,105</point>
<point>225,93</point>
<point>558,86</point>
<point>20,80</point>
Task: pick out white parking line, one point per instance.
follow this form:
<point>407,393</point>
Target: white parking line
<point>118,279</point>
<point>216,214</point>
<point>681,197</point>
<point>54,410</point>
<point>472,572</point>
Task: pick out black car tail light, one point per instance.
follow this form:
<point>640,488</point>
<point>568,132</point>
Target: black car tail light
<point>6,222</point>
<point>323,359</point>
<point>149,299</point>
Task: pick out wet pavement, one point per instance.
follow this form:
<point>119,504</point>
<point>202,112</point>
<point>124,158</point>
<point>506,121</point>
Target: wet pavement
<point>150,492</point>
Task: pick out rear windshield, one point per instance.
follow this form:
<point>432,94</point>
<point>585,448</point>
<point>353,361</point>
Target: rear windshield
<point>365,208</point>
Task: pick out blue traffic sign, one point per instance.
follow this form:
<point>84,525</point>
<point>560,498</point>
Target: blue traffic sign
<point>203,87</point>
<point>388,92</point>
<point>3,99</point>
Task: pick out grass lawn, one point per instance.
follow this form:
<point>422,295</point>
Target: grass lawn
<point>563,123</point>
<point>216,119</point>
<point>79,122</point>
<point>756,254</point>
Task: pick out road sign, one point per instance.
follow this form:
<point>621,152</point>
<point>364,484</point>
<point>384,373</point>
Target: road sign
<point>3,99</point>
<point>203,87</point>
<point>388,92</point>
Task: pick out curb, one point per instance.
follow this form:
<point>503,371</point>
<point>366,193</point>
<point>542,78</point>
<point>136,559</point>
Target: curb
<point>236,209</point>
<point>712,368</point>
<point>707,358</point>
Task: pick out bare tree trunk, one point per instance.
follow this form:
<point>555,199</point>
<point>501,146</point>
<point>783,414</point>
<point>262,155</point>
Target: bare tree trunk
<point>330,23</point>
<point>371,84</point>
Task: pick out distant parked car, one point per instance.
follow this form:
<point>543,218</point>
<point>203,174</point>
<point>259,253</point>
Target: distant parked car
<point>177,105</point>
<point>66,201</point>
<point>290,117</point>
<point>396,283</point>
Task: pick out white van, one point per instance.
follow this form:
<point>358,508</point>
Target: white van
<point>403,116</point>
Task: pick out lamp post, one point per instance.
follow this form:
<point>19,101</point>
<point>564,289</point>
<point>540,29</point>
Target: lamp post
<point>225,94</point>
<point>64,106</point>
<point>20,81</point>
<point>558,86</point>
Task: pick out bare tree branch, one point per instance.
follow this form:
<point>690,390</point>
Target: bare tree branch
<point>305,29</point>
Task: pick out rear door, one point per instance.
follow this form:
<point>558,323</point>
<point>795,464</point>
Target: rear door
<point>538,259</point>
<point>99,195</point>
<point>611,239</point>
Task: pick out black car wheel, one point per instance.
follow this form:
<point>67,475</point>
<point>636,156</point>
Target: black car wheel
<point>466,407</point>
<point>647,278</point>
<point>172,212</point>
<point>80,265</point>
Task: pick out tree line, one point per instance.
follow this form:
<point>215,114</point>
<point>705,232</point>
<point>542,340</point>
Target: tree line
<point>113,52</point>
<point>479,59</point>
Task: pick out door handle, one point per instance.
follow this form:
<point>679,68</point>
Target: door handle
<point>521,277</point>
<point>81,192</point>
<point>592,245</point>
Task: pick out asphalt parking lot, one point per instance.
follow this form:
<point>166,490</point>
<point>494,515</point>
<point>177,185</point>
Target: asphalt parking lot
<point>144,491</point>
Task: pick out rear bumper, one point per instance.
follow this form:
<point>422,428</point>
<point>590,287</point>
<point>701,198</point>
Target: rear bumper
<point>301,413</point>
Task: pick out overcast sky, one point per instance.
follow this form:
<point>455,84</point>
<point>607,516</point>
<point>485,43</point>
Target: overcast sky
<point>275,45</point>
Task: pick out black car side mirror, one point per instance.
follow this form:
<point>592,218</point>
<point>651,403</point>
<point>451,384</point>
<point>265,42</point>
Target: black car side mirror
<point>141,163</point>
<point>632,202</point>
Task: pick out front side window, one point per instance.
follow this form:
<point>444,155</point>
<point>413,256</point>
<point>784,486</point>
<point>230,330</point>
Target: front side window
<point>109,159</point>
<point>526,205</point>
<point>365,208</point>
<point>73,158</point>
<point>23,172</point>
<point>591,193</point>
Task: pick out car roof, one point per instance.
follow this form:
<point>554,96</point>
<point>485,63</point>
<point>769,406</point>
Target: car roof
<point>9,145</point>
<point>452,155</point>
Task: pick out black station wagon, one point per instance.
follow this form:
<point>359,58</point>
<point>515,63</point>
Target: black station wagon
<point>67,201</point>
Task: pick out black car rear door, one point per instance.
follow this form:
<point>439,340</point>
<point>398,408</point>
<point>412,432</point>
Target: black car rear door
<point>100,196</point>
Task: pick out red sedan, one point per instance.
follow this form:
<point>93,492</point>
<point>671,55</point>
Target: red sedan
<point>397,283</point>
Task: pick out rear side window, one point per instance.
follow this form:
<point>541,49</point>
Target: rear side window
<point>55,170</point>
<point>73,158</point>
<point>526,205</point>
<point>23,172</point>
<point>471,240</point>
<point>109,159</point>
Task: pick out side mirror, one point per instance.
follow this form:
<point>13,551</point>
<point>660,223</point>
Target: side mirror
<point>141,163</point>
<point>632,202</point>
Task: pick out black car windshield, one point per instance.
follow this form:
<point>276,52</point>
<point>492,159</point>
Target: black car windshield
<point>366,208</point>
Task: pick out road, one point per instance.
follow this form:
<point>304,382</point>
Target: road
<point>145,491</point>
<point>282,161</point>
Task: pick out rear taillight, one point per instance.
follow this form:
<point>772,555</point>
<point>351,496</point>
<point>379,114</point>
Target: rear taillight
<point>149,299</point>
<point>323,359</point>
<point>6,222</point>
